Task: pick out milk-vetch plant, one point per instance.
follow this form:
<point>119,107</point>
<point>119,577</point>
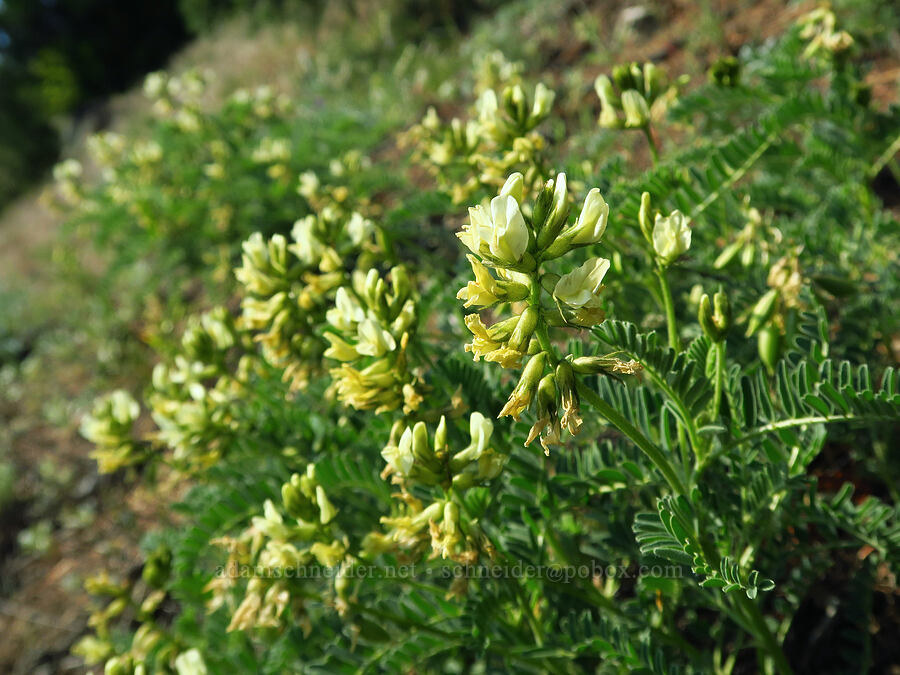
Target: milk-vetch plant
<point>683,357</point>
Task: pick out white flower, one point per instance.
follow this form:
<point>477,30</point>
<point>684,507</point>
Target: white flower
<point>346,312</point>
<point>400,457</point>
<point>637,114</point>
<point>514,187</point>
<point>154,84</point>
<point>581,287</point>
<point>477,230</point>
<point>373,340</point>
<point>591,223</point>
<point>543,100</point>
<point>671,236</point>
<point>339,349</point>
<point>309,184</point>
<point>359,228</point>
<point>509,233</point>
<point>307,246</point>
<point>190,663</point>
<point>480,429</point>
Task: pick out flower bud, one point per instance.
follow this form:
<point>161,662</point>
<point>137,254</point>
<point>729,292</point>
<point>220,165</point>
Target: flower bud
<point>514,104</point>
<point>591,222</point>
<point>594,365</point>
<point>637,114</point>
<point>645,219</point>
<point>623,76</point>
<point>654,80</point>
<point>722,311</point>
<point>440,437</point>
<point>327,512</point>
<point>542,206</point>
<point>420,446</point>
<point>524,391</point>
<point>762,311</point>
<point>559,212</point>
<point>543,100</point>
<point>671,237</point>
<point>769,346</point>
<point>524,329</point>
<point>609,102</point>
<point>296,503</point>
<point>400,287</point>
<point>546,395</point>
<point>514,187</point>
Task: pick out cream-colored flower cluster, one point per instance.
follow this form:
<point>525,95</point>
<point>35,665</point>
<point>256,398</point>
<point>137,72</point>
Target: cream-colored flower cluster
<point>137,600</point>
<point>289,284</point>
<point>67,178</point>
<point>330,192</point>
<point>369,328</point>
<point>493,70</point>
<point>634,96</point>
<point>109,426</point>
<point>509,242</point>
<point>193,395</point>
<point>292,536</point>
<point>178,97</point>
<point>481,151</point>
<point>274,154</point>
<point>415,458</point>
<point>263,102</point>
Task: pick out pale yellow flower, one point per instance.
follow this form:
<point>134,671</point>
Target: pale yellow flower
<point>581,287</point>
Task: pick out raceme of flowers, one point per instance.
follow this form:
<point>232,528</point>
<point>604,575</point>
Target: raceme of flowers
<point>369,329</point>
<point>509,243</point>
<point>481,151</point>
<point>289,285</point>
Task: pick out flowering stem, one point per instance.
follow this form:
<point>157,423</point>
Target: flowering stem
<point>618,420</point>
<point>654,150</point>
<point>720,378</point>
<point>669,307</point>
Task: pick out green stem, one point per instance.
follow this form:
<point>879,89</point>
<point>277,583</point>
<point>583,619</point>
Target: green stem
<point>655,455</point>
<point>747,608</point>
<point>720,379</point>
<point>669,307</point>
<point>701,450</point>
<point>672,328</point>
<point>654,150</point>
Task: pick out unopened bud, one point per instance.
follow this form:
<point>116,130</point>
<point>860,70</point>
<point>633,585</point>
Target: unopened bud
<point>762,311</point>
<point>297,504</point>
<point>524,329</point>
<point>559,212</point>
<point>543,100</point>
<point>327,512</point>
<point>542,206</point>
<point>645,217</point>
<point>440,437</point>
<point>546,395</point>
<point>705,317</point>
<point>514,187</point>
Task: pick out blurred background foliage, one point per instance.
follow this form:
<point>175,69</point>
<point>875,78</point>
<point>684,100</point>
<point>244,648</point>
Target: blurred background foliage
<point>60,58</point>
